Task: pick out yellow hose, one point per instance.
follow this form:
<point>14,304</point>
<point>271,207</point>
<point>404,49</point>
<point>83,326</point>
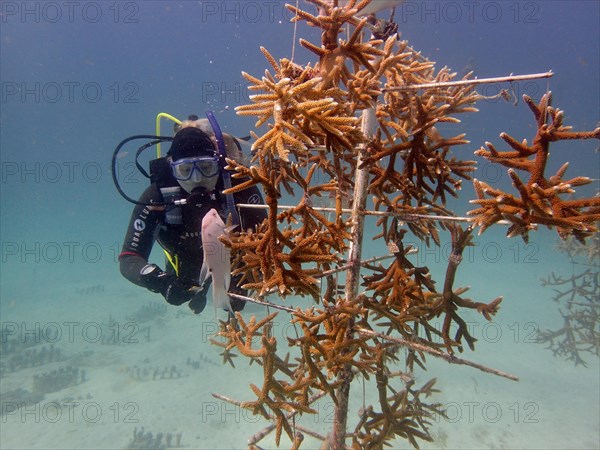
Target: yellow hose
<point>158,117</point>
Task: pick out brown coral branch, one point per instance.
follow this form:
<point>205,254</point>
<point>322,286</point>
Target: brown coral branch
<point>540,197</point>
<point>452,359</point>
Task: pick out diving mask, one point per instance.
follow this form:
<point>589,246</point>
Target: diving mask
<point>205,166</point>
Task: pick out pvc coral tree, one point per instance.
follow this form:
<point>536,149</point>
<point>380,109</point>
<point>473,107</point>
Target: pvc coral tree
<point>357,119</point>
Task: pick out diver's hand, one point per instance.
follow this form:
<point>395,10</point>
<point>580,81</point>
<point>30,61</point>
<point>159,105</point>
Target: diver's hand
<point>175,291</point>
<point>198,301</point>
<point>178,292</point>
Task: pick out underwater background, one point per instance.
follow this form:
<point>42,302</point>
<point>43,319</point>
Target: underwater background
<point>88,359</point>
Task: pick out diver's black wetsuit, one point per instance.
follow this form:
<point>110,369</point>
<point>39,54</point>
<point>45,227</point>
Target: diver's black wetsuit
<point>184,240</point>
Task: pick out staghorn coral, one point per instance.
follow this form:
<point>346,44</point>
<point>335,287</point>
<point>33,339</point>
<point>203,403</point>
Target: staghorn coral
<point>540,198</point>
<point>304,113</point>
<point>410,162</point>
<point>406,296</point>
<point>311,148</point>
<point>403,414</point>
<point>334,52</point>
<point>302,116</point>
<point>579,300</point>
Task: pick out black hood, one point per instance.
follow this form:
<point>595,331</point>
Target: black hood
<point>191,142</point>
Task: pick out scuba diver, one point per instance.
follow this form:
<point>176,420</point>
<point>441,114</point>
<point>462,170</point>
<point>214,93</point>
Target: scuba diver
<point>185,186</point>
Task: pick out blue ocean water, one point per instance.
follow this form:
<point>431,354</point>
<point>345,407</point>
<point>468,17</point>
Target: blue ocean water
<point>78,77</point>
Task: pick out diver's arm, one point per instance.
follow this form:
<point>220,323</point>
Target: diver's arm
<point>140,237</point>
<point>130,266</point>
<point>133,260</point>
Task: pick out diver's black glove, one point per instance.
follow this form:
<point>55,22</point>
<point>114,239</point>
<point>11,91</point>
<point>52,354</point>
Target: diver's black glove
<point>175,291</point>
<point>198,301</point>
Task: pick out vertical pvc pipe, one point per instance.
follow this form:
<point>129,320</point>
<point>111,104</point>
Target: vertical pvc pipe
<point>338,435</point>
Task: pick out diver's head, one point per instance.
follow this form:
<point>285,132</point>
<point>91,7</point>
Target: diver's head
<point>192,121</point>
<point>194,162</point>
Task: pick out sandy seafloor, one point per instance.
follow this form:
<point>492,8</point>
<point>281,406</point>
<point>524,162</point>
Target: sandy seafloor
<point>62,222</point>
<point>554,405</point>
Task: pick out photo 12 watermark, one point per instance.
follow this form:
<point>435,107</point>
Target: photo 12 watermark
<point>71,172</point>
<point>489,412</point>
<point>58,252</point>
<point>527,12</point>
<point>51,172</point>
<point>26,334</point>
<point>526,412</point>
<point>489,252</point>
<point>78,252</point>
<point>246,11</point>
<point>491,12</point>
<point>70,412</point>
<point>50,12</point>
<point>483,331</point>
<point>69,91</point>
<point>232,93</point>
